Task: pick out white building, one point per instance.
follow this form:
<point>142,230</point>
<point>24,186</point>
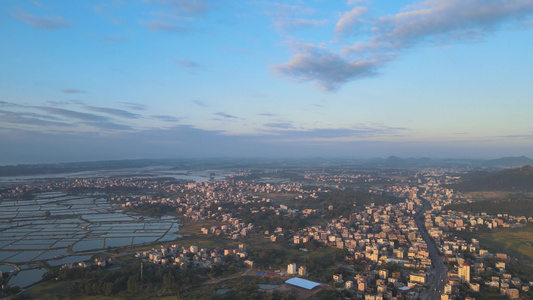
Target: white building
<point>464,272</point>
<point>291,269</point>
<point>302,271</point>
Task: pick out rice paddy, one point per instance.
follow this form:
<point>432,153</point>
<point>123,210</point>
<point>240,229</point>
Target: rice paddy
<point>57,227</point>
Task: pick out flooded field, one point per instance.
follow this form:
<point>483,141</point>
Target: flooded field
<point>59,229</point>
<point>27,277</point>
<point>152,172</point>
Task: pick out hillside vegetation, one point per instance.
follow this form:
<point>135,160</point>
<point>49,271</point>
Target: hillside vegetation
<point>515,207</point>
<point>513,180</point>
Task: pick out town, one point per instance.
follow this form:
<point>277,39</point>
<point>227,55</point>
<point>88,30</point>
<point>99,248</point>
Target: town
<point>392,233</point>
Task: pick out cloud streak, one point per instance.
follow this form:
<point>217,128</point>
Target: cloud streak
<point>284,10</point>
<point>281,134</point>
<point>187,63</point>
<point>163,26</point>
<point>168,12</point>
<point>134,106</point>
<point>226,116</point>
<point>189,7</point>
<point>32,119</point>
<point>297,23</point>
<point>114,112</point>
<point>282,125</point>
<point>71,114</point>
<point>200,103</point>
<point>93,120</point>
<point>73,91</point>
<point>4,103</point>
<point>43,23</point>
<point>169,119</point>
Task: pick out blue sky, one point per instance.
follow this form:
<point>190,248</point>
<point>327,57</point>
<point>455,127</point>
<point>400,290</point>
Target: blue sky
<point>97,80</point>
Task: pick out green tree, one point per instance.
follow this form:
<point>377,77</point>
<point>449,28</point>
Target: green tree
<point>133,285</point>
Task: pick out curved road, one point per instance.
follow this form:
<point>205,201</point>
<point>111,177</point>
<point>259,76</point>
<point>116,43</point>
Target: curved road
<point>437,276</point>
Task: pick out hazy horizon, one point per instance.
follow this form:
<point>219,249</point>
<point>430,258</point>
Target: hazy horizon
<point>109,80</point>
<point>260,159</point>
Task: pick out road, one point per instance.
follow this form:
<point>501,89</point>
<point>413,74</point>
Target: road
<point>438,270</point>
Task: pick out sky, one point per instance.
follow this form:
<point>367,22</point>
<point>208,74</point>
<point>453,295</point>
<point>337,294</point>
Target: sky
<point>119,79</point>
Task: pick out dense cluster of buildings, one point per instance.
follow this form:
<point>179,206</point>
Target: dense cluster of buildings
<point>100,262</point>
<point>193,257</point>
<point>470,264</point>
<point>378,235</point>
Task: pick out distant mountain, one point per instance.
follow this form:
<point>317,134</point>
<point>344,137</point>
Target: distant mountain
<point>58,168</point>
<point>511,180</point>
<point>395,161</point>
<point>509,162</point>
<point>483,165</point>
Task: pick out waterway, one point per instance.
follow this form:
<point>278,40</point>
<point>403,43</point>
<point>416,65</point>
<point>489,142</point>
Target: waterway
<point>152,172</point>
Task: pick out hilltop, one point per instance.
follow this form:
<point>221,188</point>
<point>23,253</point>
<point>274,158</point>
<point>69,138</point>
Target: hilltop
<point>513,162</point>
<point>512,180</point>
<point>515,207</point>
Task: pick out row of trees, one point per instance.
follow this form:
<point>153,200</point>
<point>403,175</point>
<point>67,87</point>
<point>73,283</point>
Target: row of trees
<point>129,282</point>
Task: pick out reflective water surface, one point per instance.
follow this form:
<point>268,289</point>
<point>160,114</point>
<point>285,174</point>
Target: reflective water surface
<point>60,228</point>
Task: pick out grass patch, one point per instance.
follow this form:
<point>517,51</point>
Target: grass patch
<point>511,206</point>
<point>207,241</point>
<point>492,195</point>
<point>517,242</point>
<point>321,263</point>
<point>49,290</point>
<point>283,198</point>
<point>189,227</point>
<point>191,235</point>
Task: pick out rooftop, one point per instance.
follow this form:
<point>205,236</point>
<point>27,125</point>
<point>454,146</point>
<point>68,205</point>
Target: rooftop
<point>299,282</point>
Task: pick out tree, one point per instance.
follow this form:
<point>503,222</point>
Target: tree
<point>169,281</point>
<point>133,285</point>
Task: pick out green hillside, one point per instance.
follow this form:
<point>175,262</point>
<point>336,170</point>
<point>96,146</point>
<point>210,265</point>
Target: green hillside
<point>515,207</point>
<point>512,180</point>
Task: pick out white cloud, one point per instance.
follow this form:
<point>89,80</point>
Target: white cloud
<point>431,21</point>
<point>325,68</point>
<point>443,20</point>
<point>350,20</point>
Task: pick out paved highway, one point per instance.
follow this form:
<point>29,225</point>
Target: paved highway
<point>437,276</point>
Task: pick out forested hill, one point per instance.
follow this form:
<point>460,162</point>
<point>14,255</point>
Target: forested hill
<point>512,180</point>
